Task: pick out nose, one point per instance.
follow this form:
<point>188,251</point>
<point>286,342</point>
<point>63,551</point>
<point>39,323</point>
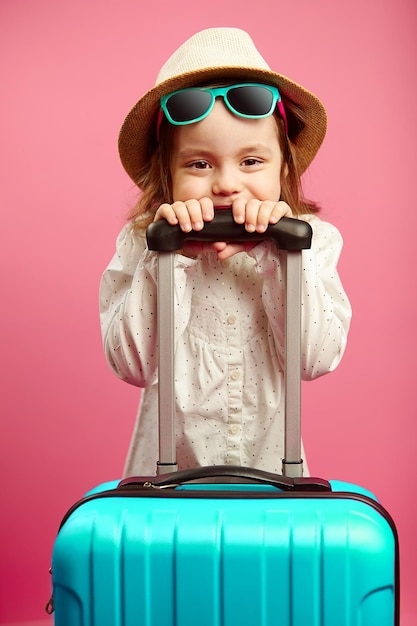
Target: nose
<point>226,182</point>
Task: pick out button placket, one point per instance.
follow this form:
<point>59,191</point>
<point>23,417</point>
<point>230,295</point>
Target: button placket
<point>235,365</point>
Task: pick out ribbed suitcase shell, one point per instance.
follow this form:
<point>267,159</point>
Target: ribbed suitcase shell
<point>238,559</point>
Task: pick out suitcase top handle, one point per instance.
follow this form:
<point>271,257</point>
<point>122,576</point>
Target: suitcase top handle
<point>288,234</point>
<point>225,474</point>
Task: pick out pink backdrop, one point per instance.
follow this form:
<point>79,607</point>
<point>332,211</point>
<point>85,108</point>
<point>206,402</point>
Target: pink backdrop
<point>72,70</point>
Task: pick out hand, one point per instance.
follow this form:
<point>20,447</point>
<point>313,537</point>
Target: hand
<point>256,215</point>
<point>191,215</point>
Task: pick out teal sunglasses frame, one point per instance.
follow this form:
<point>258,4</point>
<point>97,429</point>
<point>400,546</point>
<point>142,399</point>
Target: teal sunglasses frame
<point>223,92</point>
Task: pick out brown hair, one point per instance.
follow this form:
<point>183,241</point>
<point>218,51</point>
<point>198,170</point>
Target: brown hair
<point>155,179</point>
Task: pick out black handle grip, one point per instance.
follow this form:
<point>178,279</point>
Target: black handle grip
<point>221,474</point>
<point>288,234</point>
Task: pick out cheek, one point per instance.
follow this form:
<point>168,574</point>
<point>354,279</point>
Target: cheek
<point>275,185</point>
<point>179,188</point>
<point>186,186</point>
<point>177,184</point>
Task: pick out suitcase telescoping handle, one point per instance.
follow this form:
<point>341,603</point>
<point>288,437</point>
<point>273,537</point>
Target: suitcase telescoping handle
<point>289,234</point>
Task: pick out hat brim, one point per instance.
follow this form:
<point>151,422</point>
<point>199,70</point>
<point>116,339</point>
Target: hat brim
<point>137,135</point>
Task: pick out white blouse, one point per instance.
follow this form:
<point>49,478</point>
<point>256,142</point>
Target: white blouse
<point>228,345</point>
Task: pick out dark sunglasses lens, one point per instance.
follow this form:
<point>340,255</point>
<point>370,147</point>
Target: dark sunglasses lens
<point>186,106</point>
<point>250,100</point>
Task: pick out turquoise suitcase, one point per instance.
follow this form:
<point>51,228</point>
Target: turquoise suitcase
<point>226,545</point>
<point>226,555</point>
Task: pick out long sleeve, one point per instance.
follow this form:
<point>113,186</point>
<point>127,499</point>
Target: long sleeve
<point>326,311</point>
<point>128,295</point>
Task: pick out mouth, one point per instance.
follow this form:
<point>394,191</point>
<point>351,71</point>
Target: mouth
<point>224,207</point>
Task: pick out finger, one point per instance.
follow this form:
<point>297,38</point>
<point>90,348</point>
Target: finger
<point>189,215</point>
<point>239,210</point>
<point>195,214</point>
<point>265,212</point>
<point>280,209</point>
<point>251,215</point>
<point>166,212</point>
<point>195,248</point>
<point>207,209</point>
<point>229,249</point>
<point>218,246</point>
<point>182,216</point>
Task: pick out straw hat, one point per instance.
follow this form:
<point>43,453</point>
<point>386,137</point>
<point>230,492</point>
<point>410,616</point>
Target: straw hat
<point>217,53</point>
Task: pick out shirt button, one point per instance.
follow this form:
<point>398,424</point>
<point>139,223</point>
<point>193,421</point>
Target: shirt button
<point>231,320</point>
<point>235,375</point>
<point>234,429</point>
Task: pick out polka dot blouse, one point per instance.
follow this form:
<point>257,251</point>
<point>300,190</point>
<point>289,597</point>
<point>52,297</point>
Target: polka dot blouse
<point>229,319</point>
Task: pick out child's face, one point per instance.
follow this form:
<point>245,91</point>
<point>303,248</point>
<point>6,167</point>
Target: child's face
<point>225,157</point>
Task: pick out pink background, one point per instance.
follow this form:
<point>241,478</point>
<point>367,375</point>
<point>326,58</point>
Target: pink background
<point>72,70</point>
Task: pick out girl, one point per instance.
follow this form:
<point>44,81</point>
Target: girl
<point>220,130</point>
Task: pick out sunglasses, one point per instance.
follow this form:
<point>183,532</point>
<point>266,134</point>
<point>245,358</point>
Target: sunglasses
<point>249,100</point>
